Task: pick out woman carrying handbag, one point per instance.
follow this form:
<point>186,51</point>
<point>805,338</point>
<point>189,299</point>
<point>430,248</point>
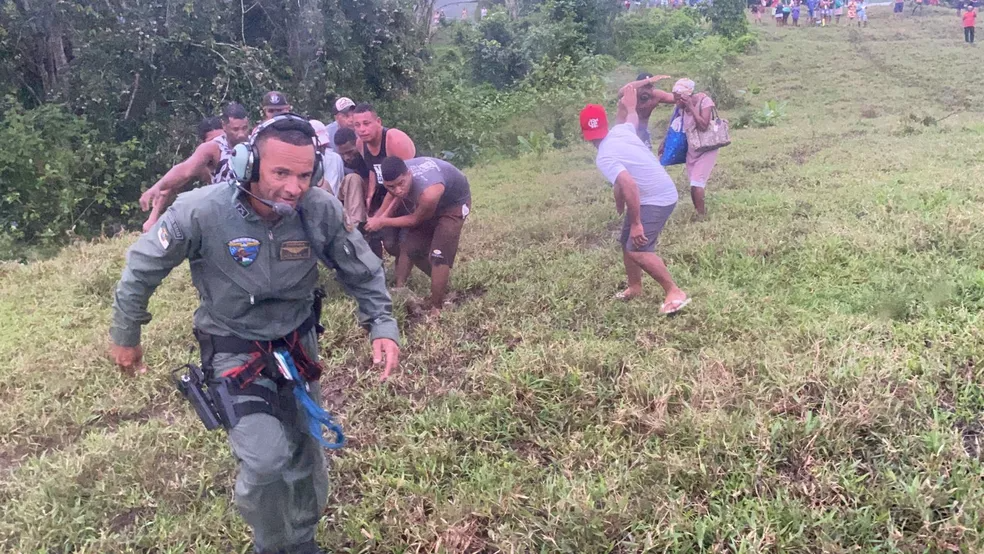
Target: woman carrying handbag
<point>706,133</point>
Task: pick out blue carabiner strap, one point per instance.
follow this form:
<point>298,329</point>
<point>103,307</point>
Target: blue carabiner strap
<point>317,416</point>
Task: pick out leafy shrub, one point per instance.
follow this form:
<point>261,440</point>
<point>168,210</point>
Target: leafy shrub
<point>642,37</point>
<point>535,144</point>
<point>502,50</point>
<point>57,177</point>
<point>771,114</point>
<point>496,52</point>
<point>745,44</point>
<point>450,117</point>
<point>727,17</point>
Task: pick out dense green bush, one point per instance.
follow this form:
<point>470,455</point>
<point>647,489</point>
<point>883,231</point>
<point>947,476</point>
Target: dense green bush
<point>644,37</point>
<point>502,50</point>
<point>58,178</point>
<point>727,17</point>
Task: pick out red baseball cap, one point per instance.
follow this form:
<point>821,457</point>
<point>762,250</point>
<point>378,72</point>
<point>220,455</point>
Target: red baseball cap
<point>594,122</point>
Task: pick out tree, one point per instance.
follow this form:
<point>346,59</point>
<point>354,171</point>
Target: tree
<point>727,17</point>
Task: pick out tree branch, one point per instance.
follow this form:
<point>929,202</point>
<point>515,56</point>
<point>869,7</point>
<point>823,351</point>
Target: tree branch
<point>133,95</point>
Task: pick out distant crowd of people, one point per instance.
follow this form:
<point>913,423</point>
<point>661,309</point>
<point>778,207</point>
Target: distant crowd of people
<point>820,13</point>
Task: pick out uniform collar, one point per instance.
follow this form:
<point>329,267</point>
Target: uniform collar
<point>241,203</point>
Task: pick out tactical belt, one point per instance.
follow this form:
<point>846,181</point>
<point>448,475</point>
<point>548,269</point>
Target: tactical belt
<point>239,381</point>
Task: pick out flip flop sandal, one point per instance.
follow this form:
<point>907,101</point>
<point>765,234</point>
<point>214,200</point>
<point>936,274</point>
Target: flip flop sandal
<point>675,306</point>
<point>621,296</point>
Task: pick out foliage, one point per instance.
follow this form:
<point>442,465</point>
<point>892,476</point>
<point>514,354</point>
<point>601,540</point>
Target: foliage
<point>771,114</point>
<point>497,54</point>
<point>502,49</point>
<point>450,117</point>
<point>57,177</point>
<point>536,144</point>
<point>643,37</point>
<point>728,17</point>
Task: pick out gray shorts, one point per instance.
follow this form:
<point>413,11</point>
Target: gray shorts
<point>653,219</point>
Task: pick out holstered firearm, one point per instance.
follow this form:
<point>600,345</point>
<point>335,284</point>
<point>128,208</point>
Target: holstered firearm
<point>192,385</point>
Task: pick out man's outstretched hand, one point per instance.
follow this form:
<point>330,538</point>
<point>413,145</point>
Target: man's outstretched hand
<point>388,352</point>
<point>128,358</point>
<point>149,198</point>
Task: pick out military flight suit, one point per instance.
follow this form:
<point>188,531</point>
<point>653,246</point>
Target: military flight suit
<point>256,281</point>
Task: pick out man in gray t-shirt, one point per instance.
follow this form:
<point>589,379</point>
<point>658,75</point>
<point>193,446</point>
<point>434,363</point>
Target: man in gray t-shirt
<point>428,200</point>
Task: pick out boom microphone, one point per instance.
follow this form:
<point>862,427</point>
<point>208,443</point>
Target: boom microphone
<point>280,208</point>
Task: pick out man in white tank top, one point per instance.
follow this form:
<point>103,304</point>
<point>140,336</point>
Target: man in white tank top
<point>209,163</point>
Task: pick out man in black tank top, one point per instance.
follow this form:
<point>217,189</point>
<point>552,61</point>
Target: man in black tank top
<point>378,142</point>
<point>375,161</point>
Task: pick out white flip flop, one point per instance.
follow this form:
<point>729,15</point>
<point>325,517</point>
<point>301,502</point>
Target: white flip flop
<point>675,305</point>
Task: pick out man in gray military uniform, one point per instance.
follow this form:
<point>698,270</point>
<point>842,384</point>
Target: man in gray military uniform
<point>253,247</point>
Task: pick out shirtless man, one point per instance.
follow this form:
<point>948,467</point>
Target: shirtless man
<point>377,143</point>
<point>209,163</point>
<point>648,98</point>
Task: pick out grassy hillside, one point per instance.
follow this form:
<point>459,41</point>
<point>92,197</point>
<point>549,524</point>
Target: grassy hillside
<point>822,393</point>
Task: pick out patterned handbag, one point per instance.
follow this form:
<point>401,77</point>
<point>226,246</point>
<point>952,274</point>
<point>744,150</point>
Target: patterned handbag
<point>715,136</point>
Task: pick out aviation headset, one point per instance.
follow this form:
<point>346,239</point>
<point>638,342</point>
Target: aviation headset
<point>245,161</point>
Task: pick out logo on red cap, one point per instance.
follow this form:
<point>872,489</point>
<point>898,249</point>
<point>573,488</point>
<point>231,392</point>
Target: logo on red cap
<point>594,122</point>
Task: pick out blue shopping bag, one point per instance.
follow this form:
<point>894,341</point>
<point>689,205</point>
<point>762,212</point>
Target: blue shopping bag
<point>675,143</point>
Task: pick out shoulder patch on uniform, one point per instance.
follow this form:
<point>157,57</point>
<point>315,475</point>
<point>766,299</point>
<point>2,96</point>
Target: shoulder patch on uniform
<point>295,250</point>
<point>241,209</point>
<point>163,236</point>
<point>244,250</point>
<point>173,226</point>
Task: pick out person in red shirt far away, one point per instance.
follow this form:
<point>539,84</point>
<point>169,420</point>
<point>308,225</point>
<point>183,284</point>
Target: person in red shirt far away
<point>643,191</point>
<point>969,19</point>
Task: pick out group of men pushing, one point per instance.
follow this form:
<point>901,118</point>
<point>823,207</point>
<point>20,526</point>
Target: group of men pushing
<point>416,215</point>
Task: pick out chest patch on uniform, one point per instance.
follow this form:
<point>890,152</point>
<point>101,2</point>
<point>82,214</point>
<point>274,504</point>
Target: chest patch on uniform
<point>295,250</point>
<point>244,250</point>
<point>242,210</point>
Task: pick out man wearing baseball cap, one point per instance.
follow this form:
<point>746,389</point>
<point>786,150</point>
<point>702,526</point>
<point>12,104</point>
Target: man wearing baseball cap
<point>344,107</point>
<point>643,190</point>
<point>274,104</point>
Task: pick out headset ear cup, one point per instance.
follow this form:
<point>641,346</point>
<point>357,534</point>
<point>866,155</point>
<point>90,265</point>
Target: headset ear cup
<point>319,169</point>
<point>240,163</point>
<point>254,165</point>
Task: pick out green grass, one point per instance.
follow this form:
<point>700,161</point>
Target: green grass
<point>822,394</point>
